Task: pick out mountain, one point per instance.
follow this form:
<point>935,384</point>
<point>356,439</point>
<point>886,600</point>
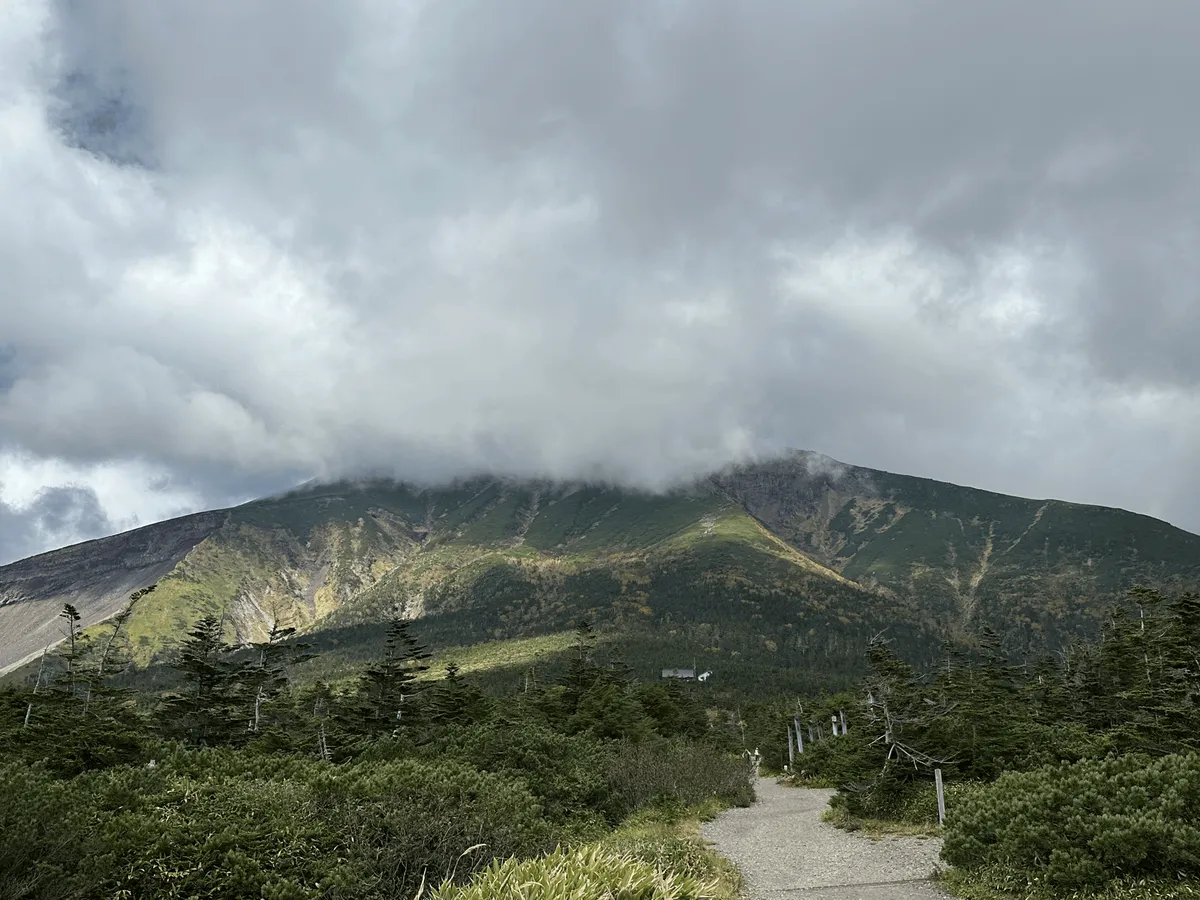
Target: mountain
<point>1033,570</point>
<point>789,564</point>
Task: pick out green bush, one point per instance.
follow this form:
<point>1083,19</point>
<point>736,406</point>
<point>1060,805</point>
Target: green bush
<point>63,740</point>
<point>685,774</point>
<point>243,828</point>
<point>1062,742</point>
<point>35,831</point>
<point>410,819</point>
<point>564,772</point>
<point>892,791</point>
<point>150,833</point>
<point>1084,824</point>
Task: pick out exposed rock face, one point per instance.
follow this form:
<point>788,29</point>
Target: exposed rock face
<point>797,497</point>
<point>97,577</point>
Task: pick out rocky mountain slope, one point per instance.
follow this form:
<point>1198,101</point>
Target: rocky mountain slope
<point>96,576</point>
<point>1034,568</point>
<point>800,559</point>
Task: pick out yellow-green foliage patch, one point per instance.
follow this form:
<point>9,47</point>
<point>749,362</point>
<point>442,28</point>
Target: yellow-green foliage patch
<point>654,855</point>
<point>672,842</point>
<point>499,654</point>
<point>587,872</point>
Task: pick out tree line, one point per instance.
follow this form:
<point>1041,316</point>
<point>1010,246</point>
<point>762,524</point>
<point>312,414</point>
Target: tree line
<point>76,715</point>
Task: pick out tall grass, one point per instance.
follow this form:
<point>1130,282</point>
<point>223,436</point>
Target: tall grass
<point>594,871</point>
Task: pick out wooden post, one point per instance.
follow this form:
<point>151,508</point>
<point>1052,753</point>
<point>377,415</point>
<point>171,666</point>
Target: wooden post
<point>941,795</point>
<point>843,713</point>
<point>799,736</point>
<point>833,722</point>
<point>791,753</point>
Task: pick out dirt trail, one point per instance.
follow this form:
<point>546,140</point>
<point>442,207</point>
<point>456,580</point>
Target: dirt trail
<point>784,850</point>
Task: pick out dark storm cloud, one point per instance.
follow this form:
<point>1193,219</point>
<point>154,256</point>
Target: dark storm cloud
<point>57,515</point>
<point>634,240</point>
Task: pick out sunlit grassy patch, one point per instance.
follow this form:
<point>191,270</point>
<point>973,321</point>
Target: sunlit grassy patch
<point>594,871</point>
<point>500,654</point>
<point>655,855</point>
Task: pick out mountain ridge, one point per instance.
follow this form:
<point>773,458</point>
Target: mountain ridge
<point>765,548</point>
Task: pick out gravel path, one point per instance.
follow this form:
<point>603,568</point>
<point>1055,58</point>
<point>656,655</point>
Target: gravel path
<point>784,850</point>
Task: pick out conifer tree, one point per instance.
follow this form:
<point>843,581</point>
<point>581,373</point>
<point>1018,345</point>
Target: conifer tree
<point>455,701</point>
<point>73,650</point>
<point>901,712</point>
<point>264,677</point>
<point>112,656</point>
<point>322,698</point>
<point>1183,650</point>
<point>581,672</point>
<point>608,711</point>
<point>203,711</point>
<point>989,721</point>
<point>1046,691</point>
<point>388,690</point>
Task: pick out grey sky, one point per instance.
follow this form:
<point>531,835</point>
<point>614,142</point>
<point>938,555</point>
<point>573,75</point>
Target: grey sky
<point>243,244</point>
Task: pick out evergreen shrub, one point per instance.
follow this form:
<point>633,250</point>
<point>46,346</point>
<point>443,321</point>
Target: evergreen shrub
<point>1084,824</point>
<point>641,775</point>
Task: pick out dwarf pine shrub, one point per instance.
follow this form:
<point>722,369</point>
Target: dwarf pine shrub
<point>319,832</point>
<point>685,774</point>
<point>1084,824</point>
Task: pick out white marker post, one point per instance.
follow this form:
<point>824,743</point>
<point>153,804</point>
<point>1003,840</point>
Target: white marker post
<point>833,722</point>
<point>941,795</point>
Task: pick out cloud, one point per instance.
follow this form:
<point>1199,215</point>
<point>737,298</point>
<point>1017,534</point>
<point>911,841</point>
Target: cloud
<point>57,515</point>
<point>244,244</point>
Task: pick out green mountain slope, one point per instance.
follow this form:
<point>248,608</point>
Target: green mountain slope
<point>788,565</point>
<point>1034,570</point>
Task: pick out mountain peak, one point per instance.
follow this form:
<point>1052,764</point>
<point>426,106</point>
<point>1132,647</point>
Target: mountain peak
<point>803,542</point>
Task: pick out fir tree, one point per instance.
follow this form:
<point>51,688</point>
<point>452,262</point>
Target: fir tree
<point>112,658</point>
<point>581,672</point>
<point>989,719</point>
<point>203,711</point>
<point>74,648</point>
<point>265,676</point>
<point>455,701</point>
<point>607,711</point>
<point>388,690</point>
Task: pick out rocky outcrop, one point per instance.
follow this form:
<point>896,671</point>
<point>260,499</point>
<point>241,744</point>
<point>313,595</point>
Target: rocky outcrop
<point>797,497</point>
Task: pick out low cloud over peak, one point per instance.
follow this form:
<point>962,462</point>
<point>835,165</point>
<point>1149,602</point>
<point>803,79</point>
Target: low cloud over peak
<point>241,246</point>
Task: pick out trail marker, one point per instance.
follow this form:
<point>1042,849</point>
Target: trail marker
<point>941,795</point>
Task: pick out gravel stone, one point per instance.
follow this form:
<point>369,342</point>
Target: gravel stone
<point>784,850</point>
